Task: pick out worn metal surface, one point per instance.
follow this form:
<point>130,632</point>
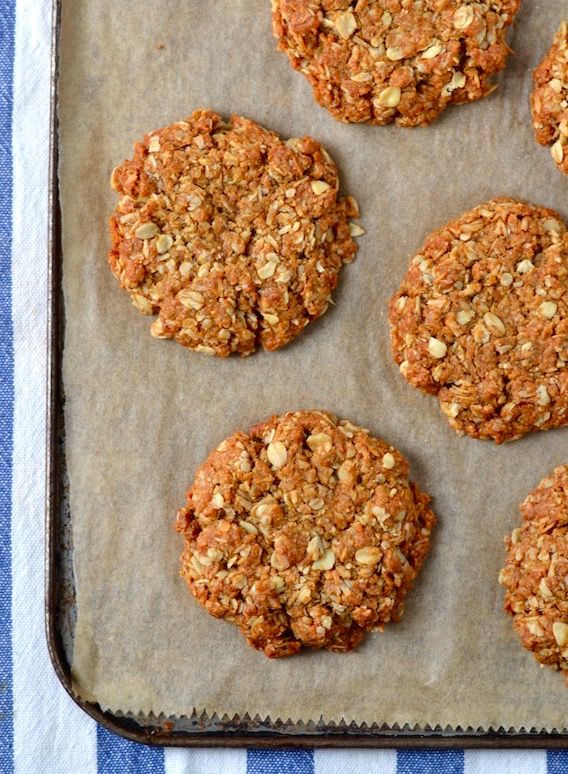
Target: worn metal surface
<point>60,593</point>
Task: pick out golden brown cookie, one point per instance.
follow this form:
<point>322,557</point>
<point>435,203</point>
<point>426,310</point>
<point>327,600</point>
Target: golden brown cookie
<point>549,99</point>
<point>232,236</point>
<point>481,320</point>
<point>536,572</point>
<point>379,61</point>
<point>305,531</point>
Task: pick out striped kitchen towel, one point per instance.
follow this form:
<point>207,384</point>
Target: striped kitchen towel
<point>41,729</point>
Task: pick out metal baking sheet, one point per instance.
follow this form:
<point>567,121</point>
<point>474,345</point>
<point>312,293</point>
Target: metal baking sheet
<point>60,598</point>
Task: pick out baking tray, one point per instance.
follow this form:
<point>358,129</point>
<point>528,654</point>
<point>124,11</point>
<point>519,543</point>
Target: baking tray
<point>195,730</point>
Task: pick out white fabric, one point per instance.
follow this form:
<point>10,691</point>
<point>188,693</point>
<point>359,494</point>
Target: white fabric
<point>51,734</point>
<point>505,762</point>
<point>355,761</point>
<point>206,761</point>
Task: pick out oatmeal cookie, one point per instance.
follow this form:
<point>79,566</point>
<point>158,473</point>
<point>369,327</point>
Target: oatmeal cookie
<point>481,320</point>
<point>536,572</point>
<point>305,531</point>
<point>379,61</point>
<point>232,236</point>
<point>549,99</point>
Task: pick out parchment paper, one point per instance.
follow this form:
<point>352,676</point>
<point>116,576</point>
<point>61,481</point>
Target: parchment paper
<point>141,413</point>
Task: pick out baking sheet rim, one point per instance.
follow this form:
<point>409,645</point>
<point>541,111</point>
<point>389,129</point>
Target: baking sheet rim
<point>160,732</point>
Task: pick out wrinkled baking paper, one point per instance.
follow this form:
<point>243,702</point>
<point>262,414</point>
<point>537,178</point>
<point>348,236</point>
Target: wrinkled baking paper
<point>142,413</point>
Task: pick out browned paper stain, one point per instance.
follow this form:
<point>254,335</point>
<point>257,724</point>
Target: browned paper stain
<point>141,413</point>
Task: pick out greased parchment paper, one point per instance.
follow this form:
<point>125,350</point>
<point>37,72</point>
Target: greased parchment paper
<point>142,413</point>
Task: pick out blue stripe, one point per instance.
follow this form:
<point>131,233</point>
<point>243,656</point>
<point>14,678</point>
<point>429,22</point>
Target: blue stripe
<point>116,755</point>
<point>557,762</point>
<point>7,24</point>
<point>280,762</point>
<point>430,762</point>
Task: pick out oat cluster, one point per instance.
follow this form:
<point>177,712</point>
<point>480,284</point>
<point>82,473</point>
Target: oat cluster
<point>536,572</point>
<point>379,61</point>
<point>304,532</point>
<point>549,99</point>
<point>481,320</point>
<point>232,236</point>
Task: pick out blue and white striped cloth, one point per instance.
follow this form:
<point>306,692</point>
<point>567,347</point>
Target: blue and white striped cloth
<point>41,729</point>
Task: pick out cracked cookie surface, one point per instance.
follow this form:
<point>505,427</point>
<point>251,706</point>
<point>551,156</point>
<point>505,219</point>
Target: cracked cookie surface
<point>549,99</point>
<point>535,575</point>
<point>232,236</point>
<point>481,320</point>
<point>305,531</point>
<point>405,61</point>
